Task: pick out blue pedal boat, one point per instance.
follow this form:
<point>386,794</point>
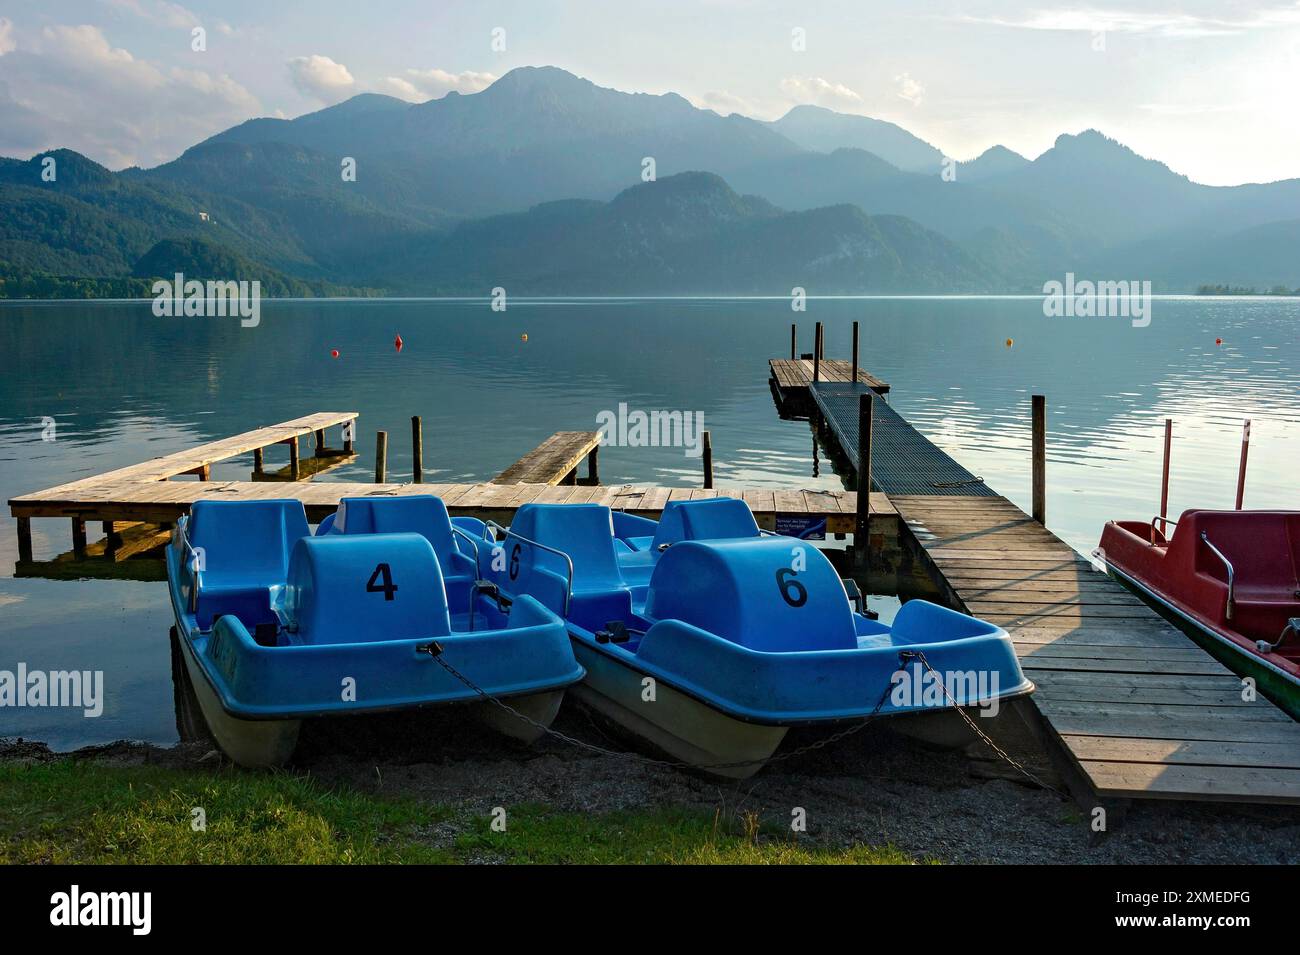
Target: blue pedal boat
<point>275,625</point>
<point>710,639</point>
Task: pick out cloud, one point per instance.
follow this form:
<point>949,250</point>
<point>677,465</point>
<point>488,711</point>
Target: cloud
<point>723,102</point>
<point>69,86</point>
<point>1167,24</point>
<point>909,89</point>
<point>321,78</point>
<point>420,85</point>
<point>814,89</point>
<point>7,42</point>
<point>159,11</point>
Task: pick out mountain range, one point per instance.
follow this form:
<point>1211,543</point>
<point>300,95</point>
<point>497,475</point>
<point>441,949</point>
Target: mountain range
<point>547,183</point>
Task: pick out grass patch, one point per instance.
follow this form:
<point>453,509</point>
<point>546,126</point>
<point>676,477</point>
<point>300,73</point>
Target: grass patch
<point>80,812</point>
<point>71,811</point>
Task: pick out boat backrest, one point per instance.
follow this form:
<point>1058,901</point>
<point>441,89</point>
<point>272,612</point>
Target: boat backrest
<point>422,514</point>
<point>583,531</point>
<point>770,594</point>
<point>365,588</point>
<point>1263,546</point>
<point>717,518</point>
<point>248,540</point>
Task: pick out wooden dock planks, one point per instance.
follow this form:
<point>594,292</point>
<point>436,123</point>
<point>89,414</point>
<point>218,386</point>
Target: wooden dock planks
<point>1141,710</point>
<point>798,373</point>
<point>553,461</point>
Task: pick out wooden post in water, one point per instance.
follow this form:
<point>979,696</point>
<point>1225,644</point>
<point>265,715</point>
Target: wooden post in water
<point>381,457</point>
<point>78,536</point>
<point>1164,476</point>
<point>348,428</point>
<point>24,539</point>
<point>862,524</point>
<point>1241,466</point>
<point>417,450</point>
<point>855,353</point>
<point>1039,451</point>
<point>593,466</point>
<point>259,461</point>
<point>112,539</point>
<point>708,461</point>
<point>294,471</point>
<point>320,441</point>
<point>817,353</point>
<point>794,332</point>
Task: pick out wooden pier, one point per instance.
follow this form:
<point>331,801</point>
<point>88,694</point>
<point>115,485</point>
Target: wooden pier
<point>145,497</point>
<point>556,460</point>
<point>1133,706</point>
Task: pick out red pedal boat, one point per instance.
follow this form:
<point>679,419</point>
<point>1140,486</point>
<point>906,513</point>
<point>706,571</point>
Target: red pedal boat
<point>1231,579</point>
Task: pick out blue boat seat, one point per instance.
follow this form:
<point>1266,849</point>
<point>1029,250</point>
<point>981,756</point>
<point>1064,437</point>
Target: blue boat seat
<point>717,518</point>
<point>364,588</point>
<point>750,592</point>
<point>245,547</point>
<point>585,533</point>
<point>422,514</point>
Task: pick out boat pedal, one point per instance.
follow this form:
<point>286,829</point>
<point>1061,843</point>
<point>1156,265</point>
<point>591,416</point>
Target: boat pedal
<point>267,634</point>
<point>489,589</point>
<point>615,632</point>
<point>854,593</point>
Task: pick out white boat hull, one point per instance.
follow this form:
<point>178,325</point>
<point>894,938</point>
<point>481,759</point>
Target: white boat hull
<point>675,723</point>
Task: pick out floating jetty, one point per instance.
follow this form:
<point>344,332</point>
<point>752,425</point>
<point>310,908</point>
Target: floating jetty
<point>1136,707</point>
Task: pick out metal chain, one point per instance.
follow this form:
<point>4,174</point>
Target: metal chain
<point>650,760</point>
<point>987,740</point>
<point>791,754</point>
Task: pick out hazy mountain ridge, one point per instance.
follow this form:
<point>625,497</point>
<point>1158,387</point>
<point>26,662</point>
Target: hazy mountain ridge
<point>542,162</point>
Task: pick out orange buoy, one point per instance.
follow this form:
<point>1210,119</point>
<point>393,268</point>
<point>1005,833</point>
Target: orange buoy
<point>523,337</point>
<point>398,343</point>
<point>1010,342</point>
<point>334,353</point>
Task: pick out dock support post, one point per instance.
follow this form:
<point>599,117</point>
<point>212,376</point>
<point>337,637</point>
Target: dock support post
<point>381,457</point>
<point>205,472</point>
<point>794,331</point>
<point>259,461</point>
<point>1039,451</point>
<point>817,353</point>
<point>593,467</point>
<point>708,461</point>
<point>862,523</point>
<point>1241,466</point>
<point>25,539</point>
<point>1164,475</point>
<point>348,428</point>
<point>417,450</point>
<point>112,539</point>
<point>320,442</point>
<point>294,469</point>
<point>78,536</point>
<point>855,353</point>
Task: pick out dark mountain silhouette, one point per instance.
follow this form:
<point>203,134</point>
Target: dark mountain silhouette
<point>547,153</point>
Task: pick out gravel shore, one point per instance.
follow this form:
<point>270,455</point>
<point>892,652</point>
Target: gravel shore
<point>874,788</point>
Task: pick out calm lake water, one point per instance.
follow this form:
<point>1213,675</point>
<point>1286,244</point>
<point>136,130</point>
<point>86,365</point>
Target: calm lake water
<point>123,386</point>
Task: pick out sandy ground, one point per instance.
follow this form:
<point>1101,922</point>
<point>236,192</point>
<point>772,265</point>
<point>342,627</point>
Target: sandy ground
<point>875,787</point>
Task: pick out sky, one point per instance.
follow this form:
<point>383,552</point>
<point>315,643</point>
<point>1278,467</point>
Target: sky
<point>1208,88</point>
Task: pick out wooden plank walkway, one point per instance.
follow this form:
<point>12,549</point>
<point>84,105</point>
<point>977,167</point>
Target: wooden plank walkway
<point>795,373</point>
<point>162,501</point>
<point>1140,709</point>
<point>556,460</point>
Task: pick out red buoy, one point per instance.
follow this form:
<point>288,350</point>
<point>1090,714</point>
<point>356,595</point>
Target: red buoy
<point>334,353</point>
<point>1218,341</point>
<point>398,343</point>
